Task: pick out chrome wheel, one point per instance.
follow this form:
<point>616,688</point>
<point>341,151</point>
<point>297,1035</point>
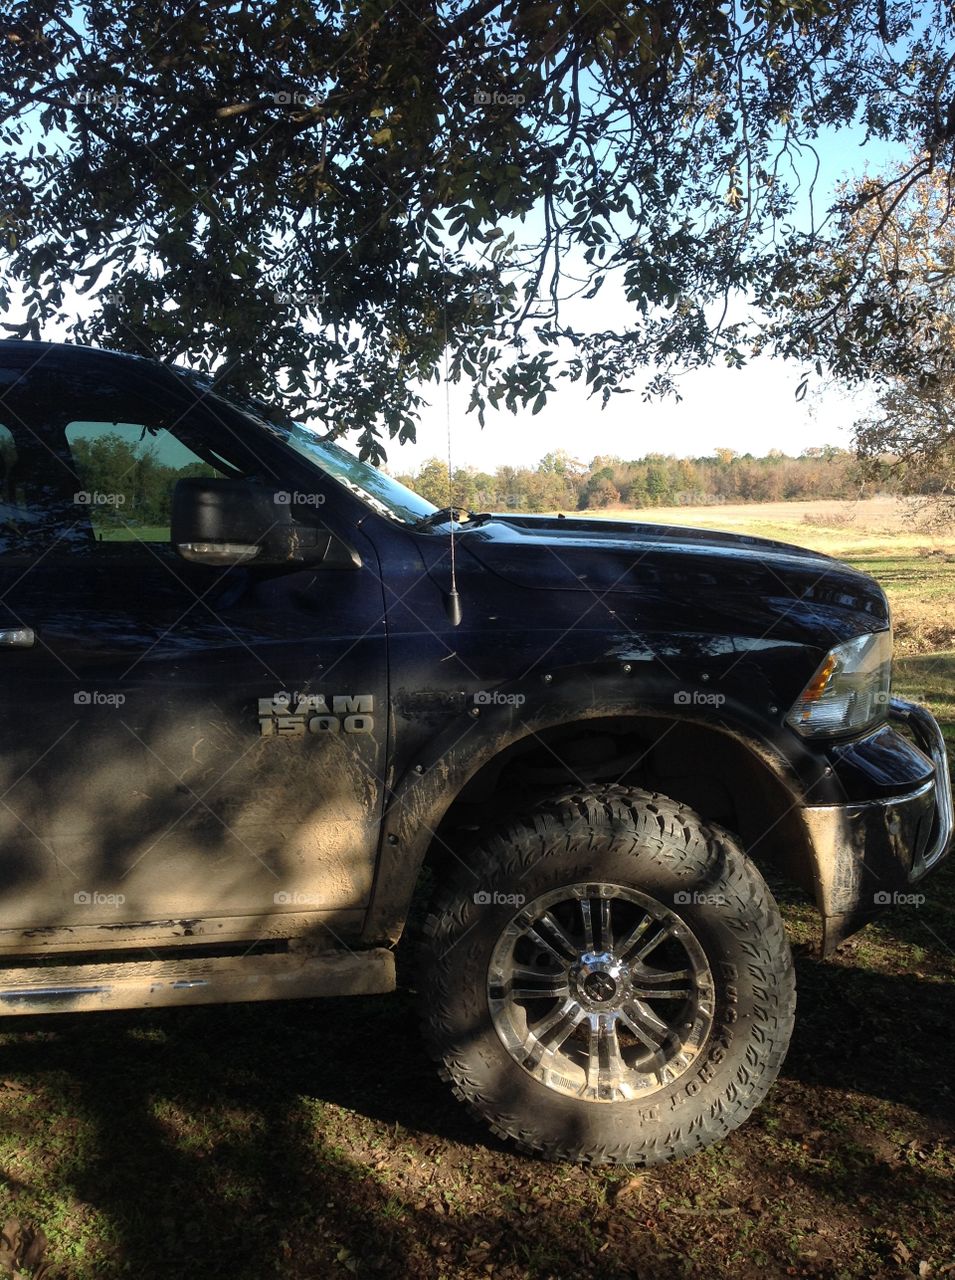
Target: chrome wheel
<point>600,992</point>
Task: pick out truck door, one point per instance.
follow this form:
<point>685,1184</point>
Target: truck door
<point>200,747</point>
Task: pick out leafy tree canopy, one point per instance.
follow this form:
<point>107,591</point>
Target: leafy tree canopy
<point>316,200</point>
<point>905,234</point>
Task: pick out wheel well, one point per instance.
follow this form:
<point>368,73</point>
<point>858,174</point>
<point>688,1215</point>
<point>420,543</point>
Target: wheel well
<point>716,774</point>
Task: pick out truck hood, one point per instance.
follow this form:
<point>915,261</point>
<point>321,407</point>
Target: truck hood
<point>685,578</point>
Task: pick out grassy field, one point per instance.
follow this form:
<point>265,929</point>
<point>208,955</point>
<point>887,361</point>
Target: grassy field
<point>131,533</point>
<point>312,1139</point>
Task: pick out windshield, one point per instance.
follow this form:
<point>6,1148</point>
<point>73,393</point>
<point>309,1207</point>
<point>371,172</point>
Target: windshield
<point>380,491</point>
<point>383,494</point>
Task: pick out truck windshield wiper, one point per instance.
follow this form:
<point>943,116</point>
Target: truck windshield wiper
<point>444,514</point>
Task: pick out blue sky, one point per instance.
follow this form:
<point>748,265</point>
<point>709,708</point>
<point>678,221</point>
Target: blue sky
<point>751,410</point>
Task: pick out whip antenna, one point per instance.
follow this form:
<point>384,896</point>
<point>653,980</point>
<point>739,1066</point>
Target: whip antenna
<point>452,600</point>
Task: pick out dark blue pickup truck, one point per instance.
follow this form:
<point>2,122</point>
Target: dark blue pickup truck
<point>261,702</point>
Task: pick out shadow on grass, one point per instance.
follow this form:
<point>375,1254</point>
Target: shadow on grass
<point>314,1138</point>
<point>210,1147</point>
<point>885,1036</point>
<point>201,1134</point>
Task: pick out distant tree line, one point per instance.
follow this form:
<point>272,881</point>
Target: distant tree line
<point>114,466</point>
<point>561,483</point>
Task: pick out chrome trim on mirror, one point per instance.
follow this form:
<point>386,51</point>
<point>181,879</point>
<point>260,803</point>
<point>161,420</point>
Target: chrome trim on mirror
<point>218,552</point>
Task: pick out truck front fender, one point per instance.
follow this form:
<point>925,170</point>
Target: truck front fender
<point>422,797</point>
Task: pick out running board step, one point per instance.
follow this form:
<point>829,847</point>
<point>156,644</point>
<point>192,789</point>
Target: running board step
<point>152,984</point>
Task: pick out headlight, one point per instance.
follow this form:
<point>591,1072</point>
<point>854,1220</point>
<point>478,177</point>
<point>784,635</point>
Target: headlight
<point>849,690</point>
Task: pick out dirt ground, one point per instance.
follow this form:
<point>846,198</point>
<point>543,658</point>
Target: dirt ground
<point>313,1139</point>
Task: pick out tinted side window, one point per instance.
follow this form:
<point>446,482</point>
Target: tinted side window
<point>127,472</point>
<point>14,509</point>
<point>35,508</point>
<point>93,451</point>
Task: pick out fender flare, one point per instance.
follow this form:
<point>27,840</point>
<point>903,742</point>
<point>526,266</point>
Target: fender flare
<point>421,798</point>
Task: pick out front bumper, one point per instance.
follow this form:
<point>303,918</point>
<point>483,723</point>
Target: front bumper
<point>870,854</point>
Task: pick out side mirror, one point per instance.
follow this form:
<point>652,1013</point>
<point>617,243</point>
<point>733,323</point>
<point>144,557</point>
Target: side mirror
<point>220,522</point>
